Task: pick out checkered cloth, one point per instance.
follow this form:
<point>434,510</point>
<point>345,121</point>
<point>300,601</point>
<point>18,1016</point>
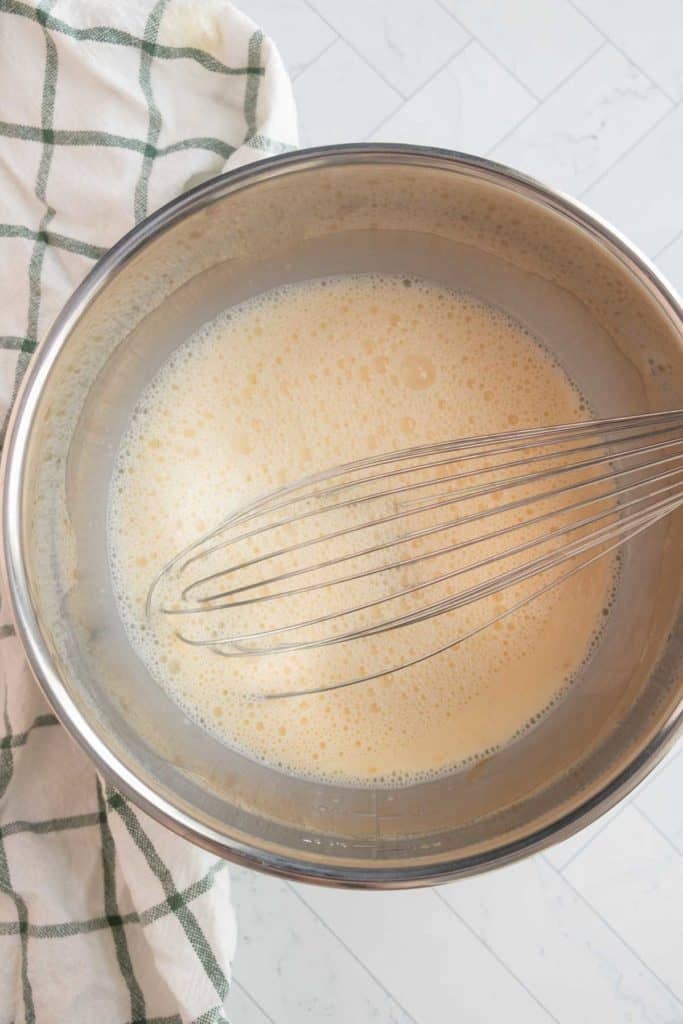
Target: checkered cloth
<point>107,110</point>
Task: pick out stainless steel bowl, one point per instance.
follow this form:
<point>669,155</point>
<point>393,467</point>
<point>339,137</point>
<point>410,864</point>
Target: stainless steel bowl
<point>468,223</point>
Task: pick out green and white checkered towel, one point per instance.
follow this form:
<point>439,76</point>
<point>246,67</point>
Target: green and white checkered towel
<point>107,110</point>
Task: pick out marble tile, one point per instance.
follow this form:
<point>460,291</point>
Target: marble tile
<point>241,1008</point>
<point>540,41</point>
<point>662,801</point>
<point>642,194</point>
<point>295,969</point>
<point>299,33</point>
<point>647,34</point>
<point>426,956</point>
<point>340,98</point>
<point>405,41</point>
<point>562,853</point>
<point>567,955</point>
<point>670,262</point>
<point>468,105</point>
<point>583,128</point>
<point>634,879</point>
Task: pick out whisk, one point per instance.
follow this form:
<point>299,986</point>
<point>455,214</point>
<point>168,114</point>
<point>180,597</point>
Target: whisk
<point>356,552</point>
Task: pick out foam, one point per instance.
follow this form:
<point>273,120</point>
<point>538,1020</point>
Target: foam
<point>305,377</point>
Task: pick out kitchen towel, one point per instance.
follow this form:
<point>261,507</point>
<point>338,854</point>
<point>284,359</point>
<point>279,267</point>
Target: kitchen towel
<point>107,110</point>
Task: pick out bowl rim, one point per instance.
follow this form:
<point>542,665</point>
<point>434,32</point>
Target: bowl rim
<point>319,869</point>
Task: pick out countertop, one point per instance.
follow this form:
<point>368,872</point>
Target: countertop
<point>588,96</point>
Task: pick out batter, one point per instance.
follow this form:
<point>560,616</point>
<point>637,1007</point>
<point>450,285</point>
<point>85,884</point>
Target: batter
<point>292,382</point>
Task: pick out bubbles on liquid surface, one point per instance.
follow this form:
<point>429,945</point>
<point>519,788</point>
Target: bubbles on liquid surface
<point>311,376</point>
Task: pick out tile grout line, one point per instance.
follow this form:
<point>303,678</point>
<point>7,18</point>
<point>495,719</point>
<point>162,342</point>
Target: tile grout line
<point>419,89</point>
<point>341,37</point>
<point>383,121</point>
<point>348,949</point>
<point>673,241</point>
<point>657,829</point>
<point>589,840</point>
<point>310,63</point>
<point>494,954</point>
<point>238,984</point>
<point>553,92</point>
<point>617,935</point>
<point>627,801</point>
<point>623,52</point>
<point>474,38</point>
<point>645,135</point>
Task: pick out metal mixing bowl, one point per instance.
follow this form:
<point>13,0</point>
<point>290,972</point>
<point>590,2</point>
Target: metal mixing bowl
<point>464,222</point>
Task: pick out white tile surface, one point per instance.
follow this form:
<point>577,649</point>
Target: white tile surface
<point>340,98</point>
<point>645,34</point>
<point>643,192</point>
<point>662,801</point>
<point>405,41</point>
<point>571,959</point>
<point>540,41</point>
<point>586,125</point>
<point>468,105</point>
<point>242,1009</point>
<point>393,932</point>
<point>561,854</point>
<point>634,879</point>
<point>590,931</point>
<point>310,975</point>
<point>670,262</point>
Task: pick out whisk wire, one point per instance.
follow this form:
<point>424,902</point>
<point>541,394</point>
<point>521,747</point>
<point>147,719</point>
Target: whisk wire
<point>451,498</point>
<point>444,577</point>
<point>286,692</point>
<point>535,437</point>
<point>500,583</point>
<point>629,468</point>
<point>388,494</point>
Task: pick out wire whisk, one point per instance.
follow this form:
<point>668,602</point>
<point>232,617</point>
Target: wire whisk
<point>342,560</point>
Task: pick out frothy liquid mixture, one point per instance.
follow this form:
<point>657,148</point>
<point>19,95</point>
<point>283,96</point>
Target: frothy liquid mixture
<point>298,380</point>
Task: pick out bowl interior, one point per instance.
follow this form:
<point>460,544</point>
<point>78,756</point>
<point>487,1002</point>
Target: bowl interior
<point>466,226</point>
